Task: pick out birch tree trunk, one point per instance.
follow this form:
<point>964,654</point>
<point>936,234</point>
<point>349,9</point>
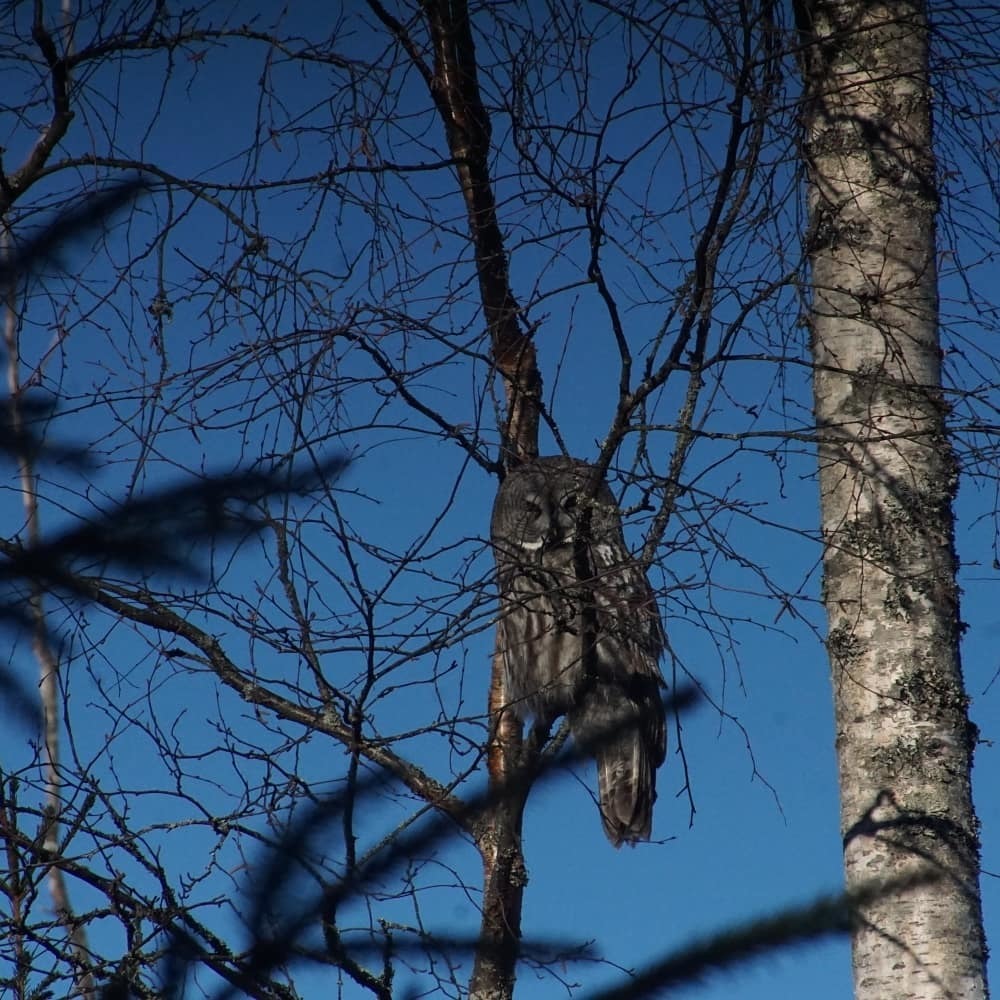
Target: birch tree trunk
<point>887,480</point>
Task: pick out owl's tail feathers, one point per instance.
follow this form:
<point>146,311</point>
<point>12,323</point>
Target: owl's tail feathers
<point>626,788</point>
<point>627,751</point>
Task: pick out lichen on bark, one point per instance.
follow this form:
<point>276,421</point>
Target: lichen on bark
<point>887,481</point>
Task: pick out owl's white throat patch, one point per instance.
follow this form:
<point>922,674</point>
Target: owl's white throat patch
<point>533,546</point>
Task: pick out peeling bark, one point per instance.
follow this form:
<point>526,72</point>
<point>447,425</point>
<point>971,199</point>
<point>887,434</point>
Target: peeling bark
<point>887,481</point>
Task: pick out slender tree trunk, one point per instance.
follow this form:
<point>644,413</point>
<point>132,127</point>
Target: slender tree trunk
<point>451,76</point>
<point>887,480</point>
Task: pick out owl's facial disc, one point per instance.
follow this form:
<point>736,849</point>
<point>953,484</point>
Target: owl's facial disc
<point>548,520</point>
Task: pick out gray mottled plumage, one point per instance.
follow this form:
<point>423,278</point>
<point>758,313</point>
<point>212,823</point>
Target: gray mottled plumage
<point>580,632</point>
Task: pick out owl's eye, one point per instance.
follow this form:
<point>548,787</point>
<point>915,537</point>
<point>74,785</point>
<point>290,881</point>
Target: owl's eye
<point>569,502</point>
<point>531,510</point>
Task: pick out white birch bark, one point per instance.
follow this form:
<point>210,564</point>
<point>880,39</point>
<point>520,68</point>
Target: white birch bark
<point>887,481</point>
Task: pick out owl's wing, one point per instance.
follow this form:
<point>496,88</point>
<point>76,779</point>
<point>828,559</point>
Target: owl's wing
<point>626,603</point>
<point>630,644</point>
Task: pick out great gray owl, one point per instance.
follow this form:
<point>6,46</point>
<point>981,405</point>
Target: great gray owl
<point>580,633</point>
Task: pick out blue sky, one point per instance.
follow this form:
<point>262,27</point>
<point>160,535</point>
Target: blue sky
<point>763,830</point>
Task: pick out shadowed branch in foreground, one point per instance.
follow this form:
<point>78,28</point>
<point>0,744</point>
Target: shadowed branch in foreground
<point>88,215</point>
<point>141,534</point>
<point>280,924</point>
<point>137,537</point>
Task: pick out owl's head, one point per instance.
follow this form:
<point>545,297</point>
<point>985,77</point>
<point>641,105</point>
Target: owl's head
<point>541,502</point>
